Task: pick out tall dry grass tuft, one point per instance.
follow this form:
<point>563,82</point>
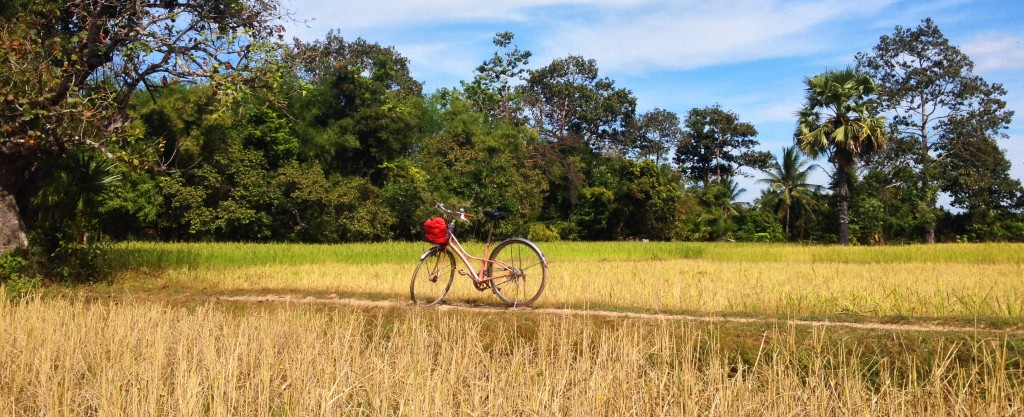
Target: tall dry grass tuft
<point>69,357</point>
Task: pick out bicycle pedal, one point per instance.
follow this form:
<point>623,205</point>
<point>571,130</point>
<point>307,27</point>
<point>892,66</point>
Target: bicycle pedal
<point>463,272</point>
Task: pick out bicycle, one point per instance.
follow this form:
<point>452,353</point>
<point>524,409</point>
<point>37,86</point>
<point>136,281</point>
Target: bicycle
<point>515,271</point>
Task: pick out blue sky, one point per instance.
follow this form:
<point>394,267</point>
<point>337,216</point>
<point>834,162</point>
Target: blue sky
<point>748,56</point>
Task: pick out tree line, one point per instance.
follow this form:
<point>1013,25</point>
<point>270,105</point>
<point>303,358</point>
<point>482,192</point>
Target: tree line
<point>198,122</point>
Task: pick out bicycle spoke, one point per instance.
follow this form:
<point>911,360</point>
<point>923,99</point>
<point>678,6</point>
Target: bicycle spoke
<point>517,281</point>
<point>433,277</point>
<point>531,265</point>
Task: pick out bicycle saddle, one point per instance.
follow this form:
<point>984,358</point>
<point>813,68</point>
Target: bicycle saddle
<point>495,215</point>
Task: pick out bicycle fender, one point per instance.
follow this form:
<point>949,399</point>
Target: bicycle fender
<point>429,251</point>
<point>543,259</point>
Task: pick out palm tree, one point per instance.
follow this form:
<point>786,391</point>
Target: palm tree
<point>788,187</point>
<point>840,119</point>
<point>719,198</point>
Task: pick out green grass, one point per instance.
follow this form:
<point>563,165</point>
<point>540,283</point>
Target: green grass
<point>166,255</point>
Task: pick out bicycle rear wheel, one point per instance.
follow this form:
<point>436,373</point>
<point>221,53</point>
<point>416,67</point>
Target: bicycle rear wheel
<point>519,272</point>
<point>433,276</point>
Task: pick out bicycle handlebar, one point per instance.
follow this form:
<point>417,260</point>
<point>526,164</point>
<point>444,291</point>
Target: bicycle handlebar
<point>461,214</point>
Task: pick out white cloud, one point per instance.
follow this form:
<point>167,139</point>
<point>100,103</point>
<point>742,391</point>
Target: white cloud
<point>446,40</point>
<point>441,64</point>
<point>695,34</point>
<point>356,15</point>
<point>996,52</point>
<point>779,111</point>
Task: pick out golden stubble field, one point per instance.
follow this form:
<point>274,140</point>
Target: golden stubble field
<point>157,341</point>
<point>67,357</point>
<point>789,289</point>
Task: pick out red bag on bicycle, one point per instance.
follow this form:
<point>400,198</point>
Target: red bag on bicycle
<point>435,231</point>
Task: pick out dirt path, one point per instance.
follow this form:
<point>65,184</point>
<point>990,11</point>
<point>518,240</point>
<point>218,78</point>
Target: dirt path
<point>916,327</point>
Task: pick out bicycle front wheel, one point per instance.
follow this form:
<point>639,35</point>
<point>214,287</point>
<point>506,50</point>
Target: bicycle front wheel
<point>518,270</point>
<point>433,276</point>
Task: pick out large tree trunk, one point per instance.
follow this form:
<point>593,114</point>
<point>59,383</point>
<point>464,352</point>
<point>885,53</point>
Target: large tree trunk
<point>929,228</point>
<point>12,229</point>
<point>843,205</point>
<point>14,169</point>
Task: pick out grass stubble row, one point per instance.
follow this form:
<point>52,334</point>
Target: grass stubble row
<point>63,356</point>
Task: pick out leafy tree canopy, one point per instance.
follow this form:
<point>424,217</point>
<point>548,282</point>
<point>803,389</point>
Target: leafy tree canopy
<point>929,87</point>
<point>568,101</point>
<point>493,90</point>
<point>363,109</point>
<point>716,144</point>
<point>71,68</point>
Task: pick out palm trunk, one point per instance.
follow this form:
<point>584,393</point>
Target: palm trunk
<point>843,205</point>
<point>788,236</point>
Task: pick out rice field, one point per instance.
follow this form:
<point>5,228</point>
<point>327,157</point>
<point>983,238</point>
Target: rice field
<point>64,356</point>
<point>159,340</point>
<point>939,282</point>
<point>143,254</point>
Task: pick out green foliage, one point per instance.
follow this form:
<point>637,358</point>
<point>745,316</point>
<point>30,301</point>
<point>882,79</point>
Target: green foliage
<point>228,197</point>
<point>789,195</point>
<point>716,144</point>
<point>483,164</point>
<point>407,196</point>
<point>568,102</point>
<point>594,213</point>
<point>977,176</point>
<point>840,119</point>
<point>692,224</point>
<point>540,232</point>
<point>492,91</point>
<point>890,178</point>
<point>629,200</point>
<point>930,87</point>
<point>714,213</point>
<point>363,109</point>
<point>131,209</point>
<point>338,144</point>
<point>17,279</point>
<point>65,226</point>
<point>759,226</point>
<point>657,131</point>
<point>996,229</point>
<point>75,261</point>
<point>868,220</point>
<point>71,71</point>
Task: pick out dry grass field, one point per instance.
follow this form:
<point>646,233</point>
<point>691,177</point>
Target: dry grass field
<point>959,283</point>
<point>135,358</point>
<point>157,341</point>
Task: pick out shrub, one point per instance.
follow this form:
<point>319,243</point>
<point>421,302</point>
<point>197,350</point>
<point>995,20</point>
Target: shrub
<point>540,232</point>
<point>17,281</point>
<point>81,262</point>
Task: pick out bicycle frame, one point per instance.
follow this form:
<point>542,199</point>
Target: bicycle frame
<point>460,251</point>
<point>478,276</point>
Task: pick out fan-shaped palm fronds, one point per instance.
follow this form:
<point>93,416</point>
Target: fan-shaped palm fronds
<point>840,118</point>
